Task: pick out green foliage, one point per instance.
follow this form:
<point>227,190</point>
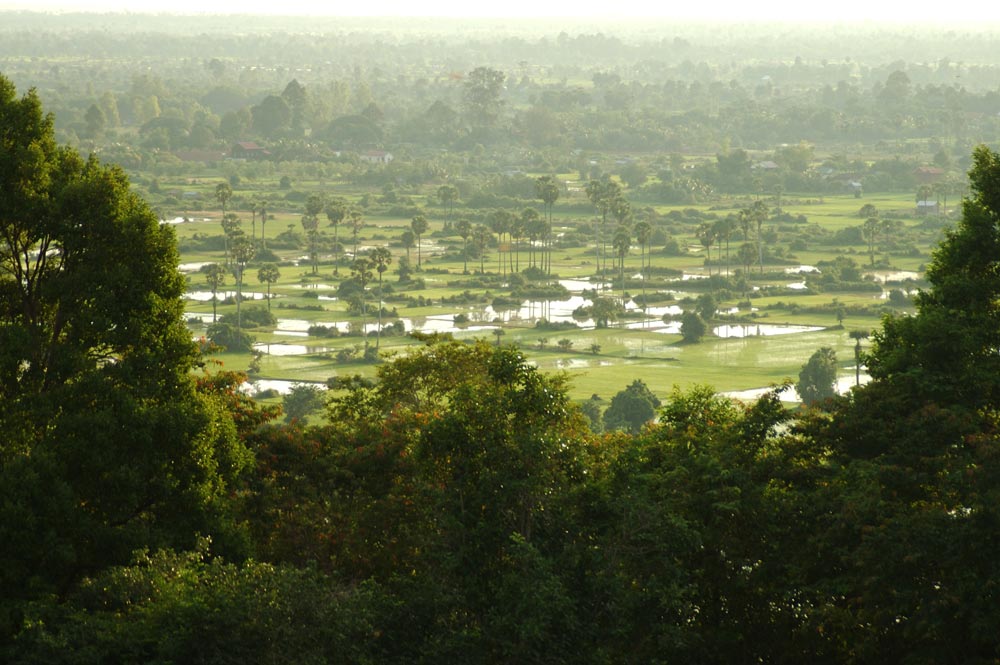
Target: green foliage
<point>229,337</point>
<point>107,446</point>
<point>251,317</point>
<point>818,378</point>
<point>693,327</point>
<point>301,401</point>
<point>945,352</point>
<point>631,408</point>
<point>183,607</point>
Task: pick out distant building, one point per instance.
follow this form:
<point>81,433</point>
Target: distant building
<point>199,155</point>
<point>927,175</point>
<point>249,150</point>
<point>766,165</point>
<point>927,207</point>
<point>376,157</point>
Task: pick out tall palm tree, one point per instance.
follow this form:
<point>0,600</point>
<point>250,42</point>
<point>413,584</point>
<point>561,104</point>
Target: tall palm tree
<point>269,274</point>
<point>263,220</point>
<point>621,243</point>
<point>230,227</point>
<point>857,336</point>
<point>336,211</point>
<point>759,214</point>
<point>706,235</point>
<point>223,193</point>
<point>500,224</point>
<point>380,258</point>
<point>481,240</point>
<point>419,226</point>
<point>215,276</point>
<point>464,228</point>
<point>361,270</point>
<point>356,221</point>
<point>243,253</point>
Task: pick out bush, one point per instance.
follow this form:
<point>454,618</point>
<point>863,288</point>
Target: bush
<point>251,317</point>
<point>323,331</point>
<point>228,337</point>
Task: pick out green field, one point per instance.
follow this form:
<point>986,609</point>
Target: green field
<point>627,349</point>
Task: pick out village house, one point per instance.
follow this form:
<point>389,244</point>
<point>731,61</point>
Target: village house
<point>248,150</point>
<point>376,157</point>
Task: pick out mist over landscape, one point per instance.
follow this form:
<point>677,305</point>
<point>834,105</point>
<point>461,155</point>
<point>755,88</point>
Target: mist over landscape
<point>582,338</point>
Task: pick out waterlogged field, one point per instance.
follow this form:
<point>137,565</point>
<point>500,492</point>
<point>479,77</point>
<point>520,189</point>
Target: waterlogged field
<point>751,345</point>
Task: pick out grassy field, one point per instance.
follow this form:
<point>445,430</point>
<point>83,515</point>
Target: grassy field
<point>599,361</point>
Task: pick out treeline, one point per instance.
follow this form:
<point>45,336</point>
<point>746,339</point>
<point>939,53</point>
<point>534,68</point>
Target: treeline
<point>183,84</point>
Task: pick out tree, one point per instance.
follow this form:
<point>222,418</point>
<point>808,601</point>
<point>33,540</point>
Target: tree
<point>604,310</point>
<point>607,198</point>
<point>243,253</point>
<point>724,229</point>
<point>868,210</point>
<point>499,221</point>
<point>818,378</point>
<point>269,274</point>
<point>464,228</point>
<point>336,211</point>
<point>481,96</point>
<point>107,445</point>
<point>631,408</point>
<point>271,117</point>
<point>481,240</point>
<point>870,232</point>
<point>356,222</point>
<point>230,227</point>
<point>946,352</point>
<point>263,205</point>
<point>746,253</point>
<point>643,233</point>
<point>380,258</point>
<point>215,276</point>
<point>301,401</point>
<point>408,239</point>
<point>310,224</point>
<point>857,336</point>
<point>707,237</point>
<point>419,226</point>
<point>759,215</point>
<point>223,193</point>
<point>547,189</point>
<point>621,244</point>
<point>361,271</point>
<point>693,327</point>
<point>447,195</point>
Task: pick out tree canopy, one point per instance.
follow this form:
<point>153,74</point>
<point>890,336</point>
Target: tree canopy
<point>107,444</point>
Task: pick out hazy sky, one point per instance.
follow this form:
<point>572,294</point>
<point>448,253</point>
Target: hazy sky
<point>842,11</point>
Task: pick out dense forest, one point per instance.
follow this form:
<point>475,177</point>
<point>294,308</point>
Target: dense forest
<point>457,508</point>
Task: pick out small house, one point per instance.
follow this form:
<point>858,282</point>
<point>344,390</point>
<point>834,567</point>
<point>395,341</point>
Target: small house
<point>249,150</point>
<point>376,157</point>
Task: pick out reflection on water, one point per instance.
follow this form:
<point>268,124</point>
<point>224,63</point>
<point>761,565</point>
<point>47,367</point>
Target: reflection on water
<point>578,285</point>
<point>885,276</point>
<point>206,296</point>
<point>761,329</point>
<point>844,385</point>
<point>301,325</point>
<point>281,386</point>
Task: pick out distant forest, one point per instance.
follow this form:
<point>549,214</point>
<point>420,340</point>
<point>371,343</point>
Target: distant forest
<point>311,88</point>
